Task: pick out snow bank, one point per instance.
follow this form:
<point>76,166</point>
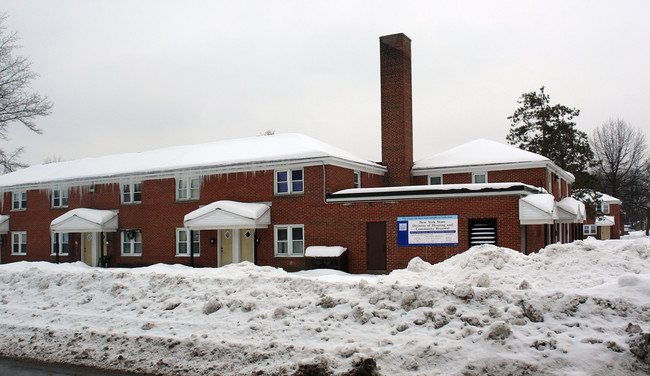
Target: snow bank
<point>569,309</point>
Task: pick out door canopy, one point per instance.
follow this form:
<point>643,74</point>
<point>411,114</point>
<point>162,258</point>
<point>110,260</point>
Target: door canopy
<point>4,224</point>
<point>571,210</point>
<point>225,214</point>
<point>86,220</point>
<point>537,209</point>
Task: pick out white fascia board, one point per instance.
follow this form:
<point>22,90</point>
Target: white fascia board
<point>200,171</point>
<point>393,198</point>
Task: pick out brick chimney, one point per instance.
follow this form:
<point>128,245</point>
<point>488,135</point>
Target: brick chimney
<point>396,109</point>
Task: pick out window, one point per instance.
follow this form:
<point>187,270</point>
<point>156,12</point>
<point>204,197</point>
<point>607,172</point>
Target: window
<point>589,229</point>
<point>289,181</point>
<point>131,243</point>
<point>357,179</point>
<point>19,200</point>
<point>183,243</point>
<point>604,208</point>
<point>60,243</point>
<point>19,243</point>
<point>435,180</point>
<point>187,189</point>
<point>59,198</point>
<point>289,240</point>
<point>479,177</point>
<point>132,193</point>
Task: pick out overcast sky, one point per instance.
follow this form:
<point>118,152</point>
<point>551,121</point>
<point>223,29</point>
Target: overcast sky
<point>137,75</point>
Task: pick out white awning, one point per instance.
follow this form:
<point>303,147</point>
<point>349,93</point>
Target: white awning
<point>570,210</point>
<point>537,209</point>
<point>605,220</point>
<point>229,215</point>
<point>4,224</point>
<point>86,220</point>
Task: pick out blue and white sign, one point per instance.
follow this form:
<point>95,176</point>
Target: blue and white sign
<point>432,230</point>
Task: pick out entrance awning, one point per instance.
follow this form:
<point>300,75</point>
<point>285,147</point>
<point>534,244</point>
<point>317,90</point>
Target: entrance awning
<point>86,220</point>
<point>225,214</point>
<point>537,209</point>
<point>570,210</point>
<point>4,224</point>
<point>605,221</point>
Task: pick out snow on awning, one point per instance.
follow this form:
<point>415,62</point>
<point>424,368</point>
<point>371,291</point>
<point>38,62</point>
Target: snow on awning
<point>605,220</point>
<point>226,214</point>
<point>4,224</point>
<point>86,220</point>
<point>323,251</point>
<point>537,209</point>
<point>570,210</point>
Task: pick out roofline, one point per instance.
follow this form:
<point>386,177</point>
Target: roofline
<point>202,171</point>
<point>424,171</point>
<point>428,192</point>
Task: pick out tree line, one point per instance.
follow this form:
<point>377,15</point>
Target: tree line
<point>613,159</point>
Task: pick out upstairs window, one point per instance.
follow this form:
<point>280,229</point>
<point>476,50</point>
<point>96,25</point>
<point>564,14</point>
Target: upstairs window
<point>479,177</point>
<point>132,193</point>
<point>435,180</point>
<point>59,198</point>
<point>60,243</point>
<point>604,208</point>
<point>19,243</point>
<point>357,179</point>
<point>183,243</point>
<point>187,189</point>
<point>131,243</point>
<point>589,229</point>
<point>19,200</point>
<point>289,181</point>
<point>289,240</point>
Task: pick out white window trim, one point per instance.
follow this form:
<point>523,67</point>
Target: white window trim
<point>589,226</point>
<point>605,208</point>
<point>22,237</point>
<point>188,243</point>
<point>474,174</point>
<point>61,243</point>
<point>63,193</point>
<point>439,176</point>
<point>131,193</point>
<point>290,251</point>
<point>356,181</point>
<point>188,189</point>
<point>290,190</point>
<point>20,200</point>
<point>132,243</point>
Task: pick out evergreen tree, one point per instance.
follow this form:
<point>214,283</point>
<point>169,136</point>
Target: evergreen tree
<point>549,130</point>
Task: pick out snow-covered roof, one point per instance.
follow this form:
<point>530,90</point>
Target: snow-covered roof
<point>323,251</point>
<point>245,154</point>
<point>609,199</point>
<point>431,191</point>
<point>85,220</point>
<point>228,214</point>
<point>537,209</point>
<point>571,209</point>
<point>482,153</point>
<point>605,220</point>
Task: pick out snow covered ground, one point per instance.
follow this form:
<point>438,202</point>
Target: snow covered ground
<point>571,309</point>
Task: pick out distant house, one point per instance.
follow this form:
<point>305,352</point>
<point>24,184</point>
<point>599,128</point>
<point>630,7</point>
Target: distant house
<point>268,199</point>
<point>606,223</point>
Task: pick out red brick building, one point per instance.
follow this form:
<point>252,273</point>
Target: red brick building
<point>267,199</point>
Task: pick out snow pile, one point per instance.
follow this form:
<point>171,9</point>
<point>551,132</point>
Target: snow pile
<point>578,309</point>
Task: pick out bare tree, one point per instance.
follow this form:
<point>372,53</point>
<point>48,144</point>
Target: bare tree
<point>9,161</point>
<point>18,102</point>
<point>623,165</point>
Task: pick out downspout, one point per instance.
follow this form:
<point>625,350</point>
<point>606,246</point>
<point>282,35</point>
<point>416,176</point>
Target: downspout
<point>191,248</point>
<point>56,247</point>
